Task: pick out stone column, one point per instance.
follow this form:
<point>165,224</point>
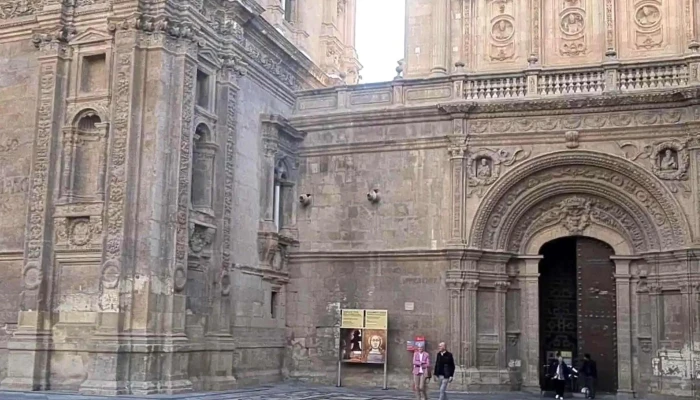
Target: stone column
<point>501,288</point>
<point>624,326</point>
<point>267,182</point>
<point>457,152</point>
<point>470,317</point>
<point>440,36</point>
<point>455,284</point>
<point>28,364</point>
<point>535,32</point>
<point>655,292</point>
<point>610,34</point>
<point>531,321</point>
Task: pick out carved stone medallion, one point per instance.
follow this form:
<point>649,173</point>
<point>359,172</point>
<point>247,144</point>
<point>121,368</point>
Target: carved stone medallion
<point>80,232</point>
<point>576,214</point>
<point>179,279</point>
<point>648,16</point>
<point>649,30</point>
<point>110,274</point>
<point>32,276</point>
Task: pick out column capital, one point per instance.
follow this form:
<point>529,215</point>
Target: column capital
<point>471,284</point>
<point>622,266</point>
<point>532,264</point>
<point>502,286</point>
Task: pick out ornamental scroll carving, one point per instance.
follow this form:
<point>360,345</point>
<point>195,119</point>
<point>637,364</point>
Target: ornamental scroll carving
<point>19,8</point>
<point>484,166</point>
<point>668,160</point>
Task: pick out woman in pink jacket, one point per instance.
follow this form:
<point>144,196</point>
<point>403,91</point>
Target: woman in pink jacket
<point>421,373</point>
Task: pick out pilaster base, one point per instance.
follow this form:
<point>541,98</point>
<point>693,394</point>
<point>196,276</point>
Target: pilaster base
<point>93,387</point>
<point>104,378</point>
<point>27,361</point>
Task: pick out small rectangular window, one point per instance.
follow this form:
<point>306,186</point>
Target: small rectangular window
<point>287,5</point>
<point>273,305</point>
<point>202,89</point>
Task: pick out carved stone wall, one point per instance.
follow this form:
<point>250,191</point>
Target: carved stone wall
<point>123,167</point>
<point>488,35</point>
<point>473,189</point>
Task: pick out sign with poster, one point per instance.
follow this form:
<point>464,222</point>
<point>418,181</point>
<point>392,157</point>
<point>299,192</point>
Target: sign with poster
<point>363,338</point>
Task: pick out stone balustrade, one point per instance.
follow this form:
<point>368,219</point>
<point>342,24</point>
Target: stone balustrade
<point>534,82</point>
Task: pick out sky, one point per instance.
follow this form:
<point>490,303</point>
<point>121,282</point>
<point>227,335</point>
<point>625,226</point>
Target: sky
<point>379,38</point>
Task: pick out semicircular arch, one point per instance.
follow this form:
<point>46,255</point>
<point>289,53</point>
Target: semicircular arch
<point>622,183</point>
<point>577,205</point>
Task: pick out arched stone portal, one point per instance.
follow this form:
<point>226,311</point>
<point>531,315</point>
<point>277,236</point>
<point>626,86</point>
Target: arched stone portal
<point>560,194</point>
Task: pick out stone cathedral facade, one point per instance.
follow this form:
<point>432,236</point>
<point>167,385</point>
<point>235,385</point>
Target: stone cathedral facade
<point>140,252</point>
<point>192,190</point>
<point>534,180</point>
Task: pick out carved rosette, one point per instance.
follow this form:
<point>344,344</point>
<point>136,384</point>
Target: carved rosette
<point>484,166</point>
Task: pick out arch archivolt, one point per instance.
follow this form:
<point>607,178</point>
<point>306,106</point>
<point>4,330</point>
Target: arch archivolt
<point>579,190</point>
<point>582,213</point>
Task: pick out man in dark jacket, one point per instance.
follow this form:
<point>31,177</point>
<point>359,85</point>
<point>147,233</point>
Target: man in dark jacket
<point>590,373</point>
<point>444,369</point>
<point>559,372</point>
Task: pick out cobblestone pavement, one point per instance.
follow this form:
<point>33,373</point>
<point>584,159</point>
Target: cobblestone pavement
<point>280,392</point>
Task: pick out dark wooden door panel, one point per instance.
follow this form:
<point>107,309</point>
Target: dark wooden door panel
<point>597,305</point>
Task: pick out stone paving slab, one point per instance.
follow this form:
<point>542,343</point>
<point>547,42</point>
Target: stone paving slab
<point>278,392</point>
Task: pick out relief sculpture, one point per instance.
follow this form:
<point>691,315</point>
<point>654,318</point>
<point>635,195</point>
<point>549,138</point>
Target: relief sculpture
<point>649,29</point>
<point>669,159</point>
<point>502,31</point>
<point>484,166</point>
<point>572,27</point>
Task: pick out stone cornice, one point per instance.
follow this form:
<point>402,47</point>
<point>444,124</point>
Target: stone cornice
<point>334,118</point>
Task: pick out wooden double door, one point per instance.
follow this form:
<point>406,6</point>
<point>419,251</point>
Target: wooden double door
<point>578,305</point>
